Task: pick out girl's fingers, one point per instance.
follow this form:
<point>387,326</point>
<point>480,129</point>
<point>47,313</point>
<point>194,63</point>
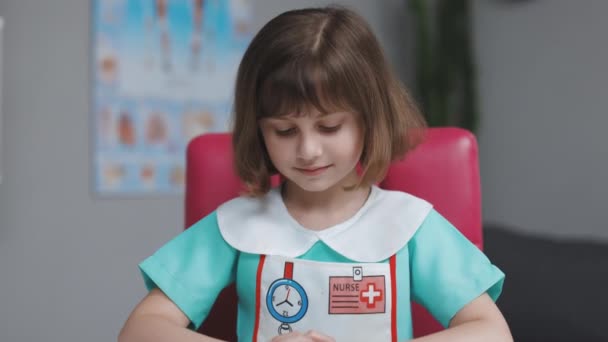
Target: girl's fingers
<point>293,337</point>
<point>318,337</point>
<point>310,336</point>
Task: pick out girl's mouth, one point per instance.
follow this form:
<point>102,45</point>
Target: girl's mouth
<point>313,171</point>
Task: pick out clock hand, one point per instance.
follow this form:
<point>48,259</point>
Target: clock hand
<point>286,298</point>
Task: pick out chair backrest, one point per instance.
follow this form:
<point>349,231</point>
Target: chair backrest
<point>443,170</point>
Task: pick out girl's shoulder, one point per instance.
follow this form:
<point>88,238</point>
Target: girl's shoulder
<point>383,226</point>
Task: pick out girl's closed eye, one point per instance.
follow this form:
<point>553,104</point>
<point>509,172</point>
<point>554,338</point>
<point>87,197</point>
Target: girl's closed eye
<point>329,128</point>
<point>285,131</point>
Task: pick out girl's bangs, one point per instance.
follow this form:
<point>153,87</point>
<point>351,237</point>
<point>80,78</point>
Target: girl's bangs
<point>300,87</point>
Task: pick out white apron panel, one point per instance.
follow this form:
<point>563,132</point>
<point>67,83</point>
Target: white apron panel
<point>348,301</point>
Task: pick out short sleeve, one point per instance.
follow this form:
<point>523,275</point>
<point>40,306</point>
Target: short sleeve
<point>192,268</point>
<point>447,270</point>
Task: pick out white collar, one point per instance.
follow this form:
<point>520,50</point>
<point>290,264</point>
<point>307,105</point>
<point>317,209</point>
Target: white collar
<point>384,224</point>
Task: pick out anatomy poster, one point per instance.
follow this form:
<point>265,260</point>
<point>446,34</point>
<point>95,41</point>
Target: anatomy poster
<point>163,72</point>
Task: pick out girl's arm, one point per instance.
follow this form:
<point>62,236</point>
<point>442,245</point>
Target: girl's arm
<point>480,320</point>
<point>157,319</point>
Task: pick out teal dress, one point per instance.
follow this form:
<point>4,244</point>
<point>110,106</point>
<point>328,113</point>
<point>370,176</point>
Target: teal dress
<point>361,274</point>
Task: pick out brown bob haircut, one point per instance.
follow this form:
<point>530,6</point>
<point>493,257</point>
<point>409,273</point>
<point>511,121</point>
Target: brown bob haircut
<point>327,59</point>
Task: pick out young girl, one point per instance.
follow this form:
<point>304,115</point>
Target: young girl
<point>327,255</point>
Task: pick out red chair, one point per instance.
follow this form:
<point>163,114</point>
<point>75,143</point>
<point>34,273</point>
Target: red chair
<point>443,170</point>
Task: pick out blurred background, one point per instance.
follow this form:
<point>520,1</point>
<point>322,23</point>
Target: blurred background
<point>68,258</point>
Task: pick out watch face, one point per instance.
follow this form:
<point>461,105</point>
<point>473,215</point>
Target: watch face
<point>287,301</point>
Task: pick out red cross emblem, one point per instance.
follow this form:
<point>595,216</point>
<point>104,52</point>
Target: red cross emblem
<point>370,295</point>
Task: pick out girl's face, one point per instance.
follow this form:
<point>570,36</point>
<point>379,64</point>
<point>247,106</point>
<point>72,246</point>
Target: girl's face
<point>315,151</point>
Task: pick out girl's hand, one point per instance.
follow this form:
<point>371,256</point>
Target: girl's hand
<point>310,336</point>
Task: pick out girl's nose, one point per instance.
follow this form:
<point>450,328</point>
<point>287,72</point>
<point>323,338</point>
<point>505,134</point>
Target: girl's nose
<point>309,147</point>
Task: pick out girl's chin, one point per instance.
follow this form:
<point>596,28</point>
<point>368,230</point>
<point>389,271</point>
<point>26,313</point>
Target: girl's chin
<point>316,186</point>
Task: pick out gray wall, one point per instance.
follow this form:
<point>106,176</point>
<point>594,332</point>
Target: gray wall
<point>68,260</point>
<point>543,92</point>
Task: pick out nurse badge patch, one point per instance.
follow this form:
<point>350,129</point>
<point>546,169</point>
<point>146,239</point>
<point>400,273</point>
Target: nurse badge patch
<point>357,294</point>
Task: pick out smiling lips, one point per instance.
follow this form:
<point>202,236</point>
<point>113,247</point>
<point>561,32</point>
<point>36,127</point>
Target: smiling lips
<point>313,171</point>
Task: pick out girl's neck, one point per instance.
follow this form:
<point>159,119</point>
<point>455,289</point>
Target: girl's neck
<point>323,209</point>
